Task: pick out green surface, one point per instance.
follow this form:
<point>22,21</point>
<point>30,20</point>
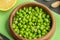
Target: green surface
<point>4,17</point>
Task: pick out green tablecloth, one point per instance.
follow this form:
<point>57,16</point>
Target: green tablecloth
<point>4,17</point>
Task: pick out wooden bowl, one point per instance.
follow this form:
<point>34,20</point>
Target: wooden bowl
<point>32,4</point>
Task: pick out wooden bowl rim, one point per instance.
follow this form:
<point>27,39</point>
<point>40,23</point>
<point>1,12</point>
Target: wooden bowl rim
<point>48,36</point>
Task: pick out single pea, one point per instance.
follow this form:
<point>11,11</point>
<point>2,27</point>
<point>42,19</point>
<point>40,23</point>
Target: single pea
<point>21,32</point>
<point>48,24</point>
<point>43,34</point>
<point>45,23</point>
<point>40,20</point>
<point>29,12</point>
<point>42,27</point>
<point>41,10</point>
<point>33,10</point>
<point>27,29</point>
<point>38,26</point>
<point>36,14</point>
<point>22,29</point>
<point>38,23</point>
<point>19,18</point>
<point>24,26</point>
<point>39,36</point>
<point>48,16</point>
<point>21,15</point>
<point>29,20</point>
<point>15,22</point>
<point>46,20</point>
<point>34,17</point>
<point>17,13</point>
<point>30,16</point>
<point>24,13</point>
<point>33,36</point>
<point>20,35</point>
<point>39,31</point>
<point>14,25</point>
<point>24,19</point>
<point>24,36</point>
<point>30,38</point>
<point>40,15</point>
<point>37,9</point>
<point>44,15</point>
<point>26,9</point>
<point>30,34</point>
<point>26,33</point>
<point>21,21</point>
<point>15,19</point>
<point>30,8</point>
<point>16,30</point>
<point>48,28</point>
<point>33,28</point>
<point>20,10</point>
<point>19,24</point>
<point>27,17</point>
<point>30,23</point>
<point>33,20</point>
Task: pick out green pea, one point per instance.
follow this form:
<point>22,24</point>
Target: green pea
<point>42,27</point>
<point>30,23</point>
<point>19,24</point>
<point>20,10</point>
<point>46,20</point>
<point>21,32</point>
<point>39,36</point>
<point>37,9</point>
<point>33,10</point>
<point>32,28</point>
<point>38,26</point>
<point>24,36</point>
<point>43,34</point>
<point>27,10</point>
<point>48,28</point>
<point>30,8</point>
<point>45,23</point>
<point>17,13</point>
<point>25,26</point>
<point>27,17</point>
<point>48,16</point>
<point>44,15</point>
<point>24,19</point>
<point>24,13</point>
<point>13,25</point>
<point>20,35</point>
<point>33,36</point>
<point>16,30</point>
<point>24,8</point>
<point>39,31</point>
<point>30,38</point>
<point>21,15</point>
<point>41,10</point>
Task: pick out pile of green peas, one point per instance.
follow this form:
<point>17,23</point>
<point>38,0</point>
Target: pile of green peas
<point>31,22</point>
